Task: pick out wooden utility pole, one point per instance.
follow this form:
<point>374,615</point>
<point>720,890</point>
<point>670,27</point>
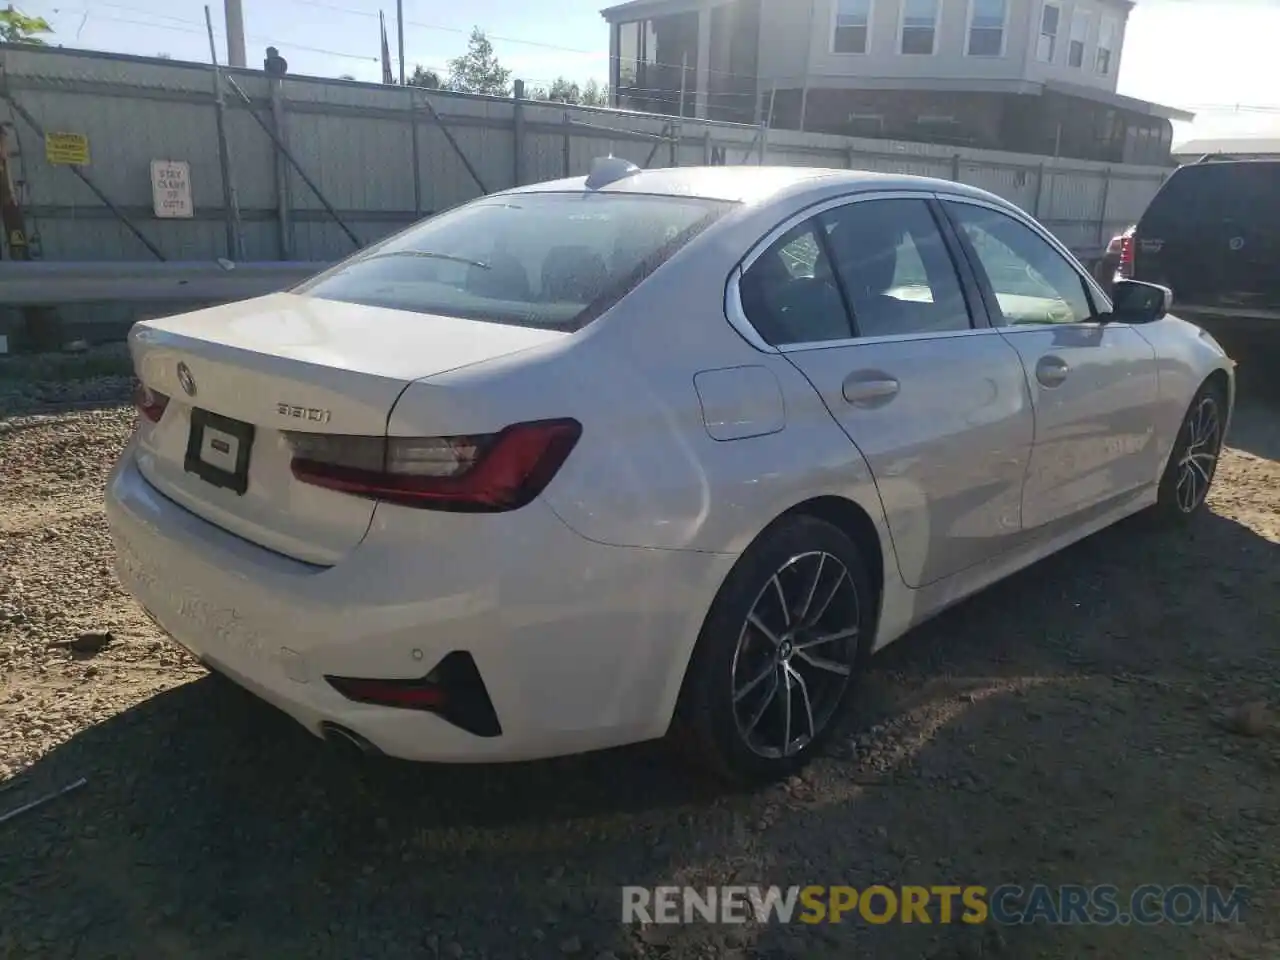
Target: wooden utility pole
<point>41,327</point>
<point>15,231</point>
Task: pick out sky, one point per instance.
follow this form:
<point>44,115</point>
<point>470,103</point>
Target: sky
<point>1214,57</point>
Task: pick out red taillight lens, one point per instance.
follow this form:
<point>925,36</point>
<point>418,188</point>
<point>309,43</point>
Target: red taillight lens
<point>150,403</point>
<point>411,695</point>
<point>1126,256</point>
<point>489,473</point>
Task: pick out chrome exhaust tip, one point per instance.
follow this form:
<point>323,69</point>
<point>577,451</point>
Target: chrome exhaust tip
<point>348,740</point>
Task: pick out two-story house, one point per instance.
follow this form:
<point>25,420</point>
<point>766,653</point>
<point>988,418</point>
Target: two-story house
<point>1034,76</point>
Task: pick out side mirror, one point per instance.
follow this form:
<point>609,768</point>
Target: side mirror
<point>1133,301</point>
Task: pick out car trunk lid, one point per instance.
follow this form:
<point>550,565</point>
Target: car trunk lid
<point>240,378</point>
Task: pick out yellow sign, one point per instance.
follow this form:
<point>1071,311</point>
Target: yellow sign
<point>67,148</point>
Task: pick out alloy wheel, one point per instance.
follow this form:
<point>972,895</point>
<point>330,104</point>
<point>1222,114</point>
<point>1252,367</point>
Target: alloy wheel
<point>795,654</point>
<point>1202,444</point>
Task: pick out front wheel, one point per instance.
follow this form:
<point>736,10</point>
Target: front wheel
<point>778,655</point>
<point>1193,464</point>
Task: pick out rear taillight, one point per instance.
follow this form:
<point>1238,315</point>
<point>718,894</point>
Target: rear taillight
<point>150,403</point>
<point>486,473</point>
<point>1125,269</point>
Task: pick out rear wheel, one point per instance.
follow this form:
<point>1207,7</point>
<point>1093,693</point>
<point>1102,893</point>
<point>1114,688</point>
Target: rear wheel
<point>780,651</point>
<point>1194,460</point>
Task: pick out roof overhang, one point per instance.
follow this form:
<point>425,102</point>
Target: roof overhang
<point>634,9</point>
<point>1132,104</point>
<point>1030,88</point>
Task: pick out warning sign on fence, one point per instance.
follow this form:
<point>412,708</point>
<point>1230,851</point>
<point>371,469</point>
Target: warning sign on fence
<point>171,188</point>
<point>67,148</point>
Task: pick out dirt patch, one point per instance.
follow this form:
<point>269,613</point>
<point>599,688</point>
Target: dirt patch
<point>1107,716</point>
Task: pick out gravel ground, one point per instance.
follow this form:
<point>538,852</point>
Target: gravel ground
<point>1107,716</point>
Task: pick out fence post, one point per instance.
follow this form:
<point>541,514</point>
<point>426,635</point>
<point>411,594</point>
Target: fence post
<point>568,144</point>
<point>1035,210</point>
<point>417,154</point>
<point>676,137</point>
<point>517,131</point>
<point>1102,214</point>
<point>283,198</point>
<point>706,147</point>
<point>955,168</point>
<point>231,205</point>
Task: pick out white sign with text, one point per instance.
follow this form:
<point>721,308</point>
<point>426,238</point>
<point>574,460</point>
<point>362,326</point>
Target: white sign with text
<point>171,188</point>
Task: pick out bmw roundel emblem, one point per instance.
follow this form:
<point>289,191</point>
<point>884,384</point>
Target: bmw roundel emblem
<point>187,381</point>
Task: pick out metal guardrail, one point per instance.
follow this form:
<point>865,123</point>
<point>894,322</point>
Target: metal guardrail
<point>60,283</point>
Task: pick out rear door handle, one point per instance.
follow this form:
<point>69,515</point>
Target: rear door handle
<point>870,388</point>
<point>1052,371</point>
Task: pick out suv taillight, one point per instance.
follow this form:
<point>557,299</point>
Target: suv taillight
<point>487,473</point>
<point>1125,269</point>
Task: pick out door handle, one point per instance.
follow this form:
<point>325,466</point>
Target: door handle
<point>862,388</point>
<point>1052,371</point>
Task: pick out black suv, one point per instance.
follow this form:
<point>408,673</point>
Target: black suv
<point>1212,235</point>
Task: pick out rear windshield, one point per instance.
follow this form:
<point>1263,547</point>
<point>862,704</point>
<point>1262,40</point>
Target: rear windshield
<point>1214,193</point>
<point>553,260</point>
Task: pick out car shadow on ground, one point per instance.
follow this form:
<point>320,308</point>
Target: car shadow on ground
<point>1078,697</point>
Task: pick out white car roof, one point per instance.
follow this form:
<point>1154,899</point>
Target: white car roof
<point>753,183</point>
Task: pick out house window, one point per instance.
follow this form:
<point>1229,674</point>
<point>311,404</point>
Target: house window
<point>919,26</point>
<point>853,26</point>
<point>1079,38</point>
<point>1106,47</point>
<point>1047,42</point>
<point>986,27</point>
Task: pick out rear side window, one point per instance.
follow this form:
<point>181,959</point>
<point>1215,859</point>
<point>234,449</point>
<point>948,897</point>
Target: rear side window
<point>1214,192</point>
<point>553,260</point>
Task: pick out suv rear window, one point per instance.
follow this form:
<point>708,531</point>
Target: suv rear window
<point>553,260</point>
<point>1215,191</point>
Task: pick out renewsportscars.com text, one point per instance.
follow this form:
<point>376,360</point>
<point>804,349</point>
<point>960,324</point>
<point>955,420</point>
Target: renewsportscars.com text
<point>1067,904</point>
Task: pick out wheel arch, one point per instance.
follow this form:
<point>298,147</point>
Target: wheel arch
<point>847,516</point>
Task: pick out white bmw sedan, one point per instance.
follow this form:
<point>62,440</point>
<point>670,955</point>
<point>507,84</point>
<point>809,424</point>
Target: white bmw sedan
<point>574,464</point>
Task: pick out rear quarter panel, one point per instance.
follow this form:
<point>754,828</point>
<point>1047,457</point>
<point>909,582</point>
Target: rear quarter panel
<point>647,471</point>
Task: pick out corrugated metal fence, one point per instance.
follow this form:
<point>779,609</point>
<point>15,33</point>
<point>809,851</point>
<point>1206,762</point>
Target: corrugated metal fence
<point>385,156</point>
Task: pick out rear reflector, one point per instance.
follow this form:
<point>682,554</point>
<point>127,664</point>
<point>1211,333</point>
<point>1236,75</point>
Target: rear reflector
<point>485,473</point>
<point>453,690</point>
<point>150,403</point>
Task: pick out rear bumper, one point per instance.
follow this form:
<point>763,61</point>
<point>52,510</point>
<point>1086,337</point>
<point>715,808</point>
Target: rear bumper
<point>580,645</point>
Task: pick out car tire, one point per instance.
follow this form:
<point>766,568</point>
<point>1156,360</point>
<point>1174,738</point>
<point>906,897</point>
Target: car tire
<point>798,608</point>
<point>1193,462</point>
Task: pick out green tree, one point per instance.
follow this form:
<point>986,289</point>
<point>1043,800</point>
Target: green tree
<point>565,91</point>
<point>595,94</point>
<point>568,91</point>
<point>17,27</point>
<point>422,77</point>
<point>478,70</point>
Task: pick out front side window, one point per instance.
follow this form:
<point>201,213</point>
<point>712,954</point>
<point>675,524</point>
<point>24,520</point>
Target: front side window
<point>895,269</point>
<point>1031,281</point>
<point>1047,44</point>
<point>919,26</point>
<point>554,260</point>
<point>986,28</point>
<point>789,293</point>
<point>1079,39</point>
<point>1106,46</point>
<point>853,26</point>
